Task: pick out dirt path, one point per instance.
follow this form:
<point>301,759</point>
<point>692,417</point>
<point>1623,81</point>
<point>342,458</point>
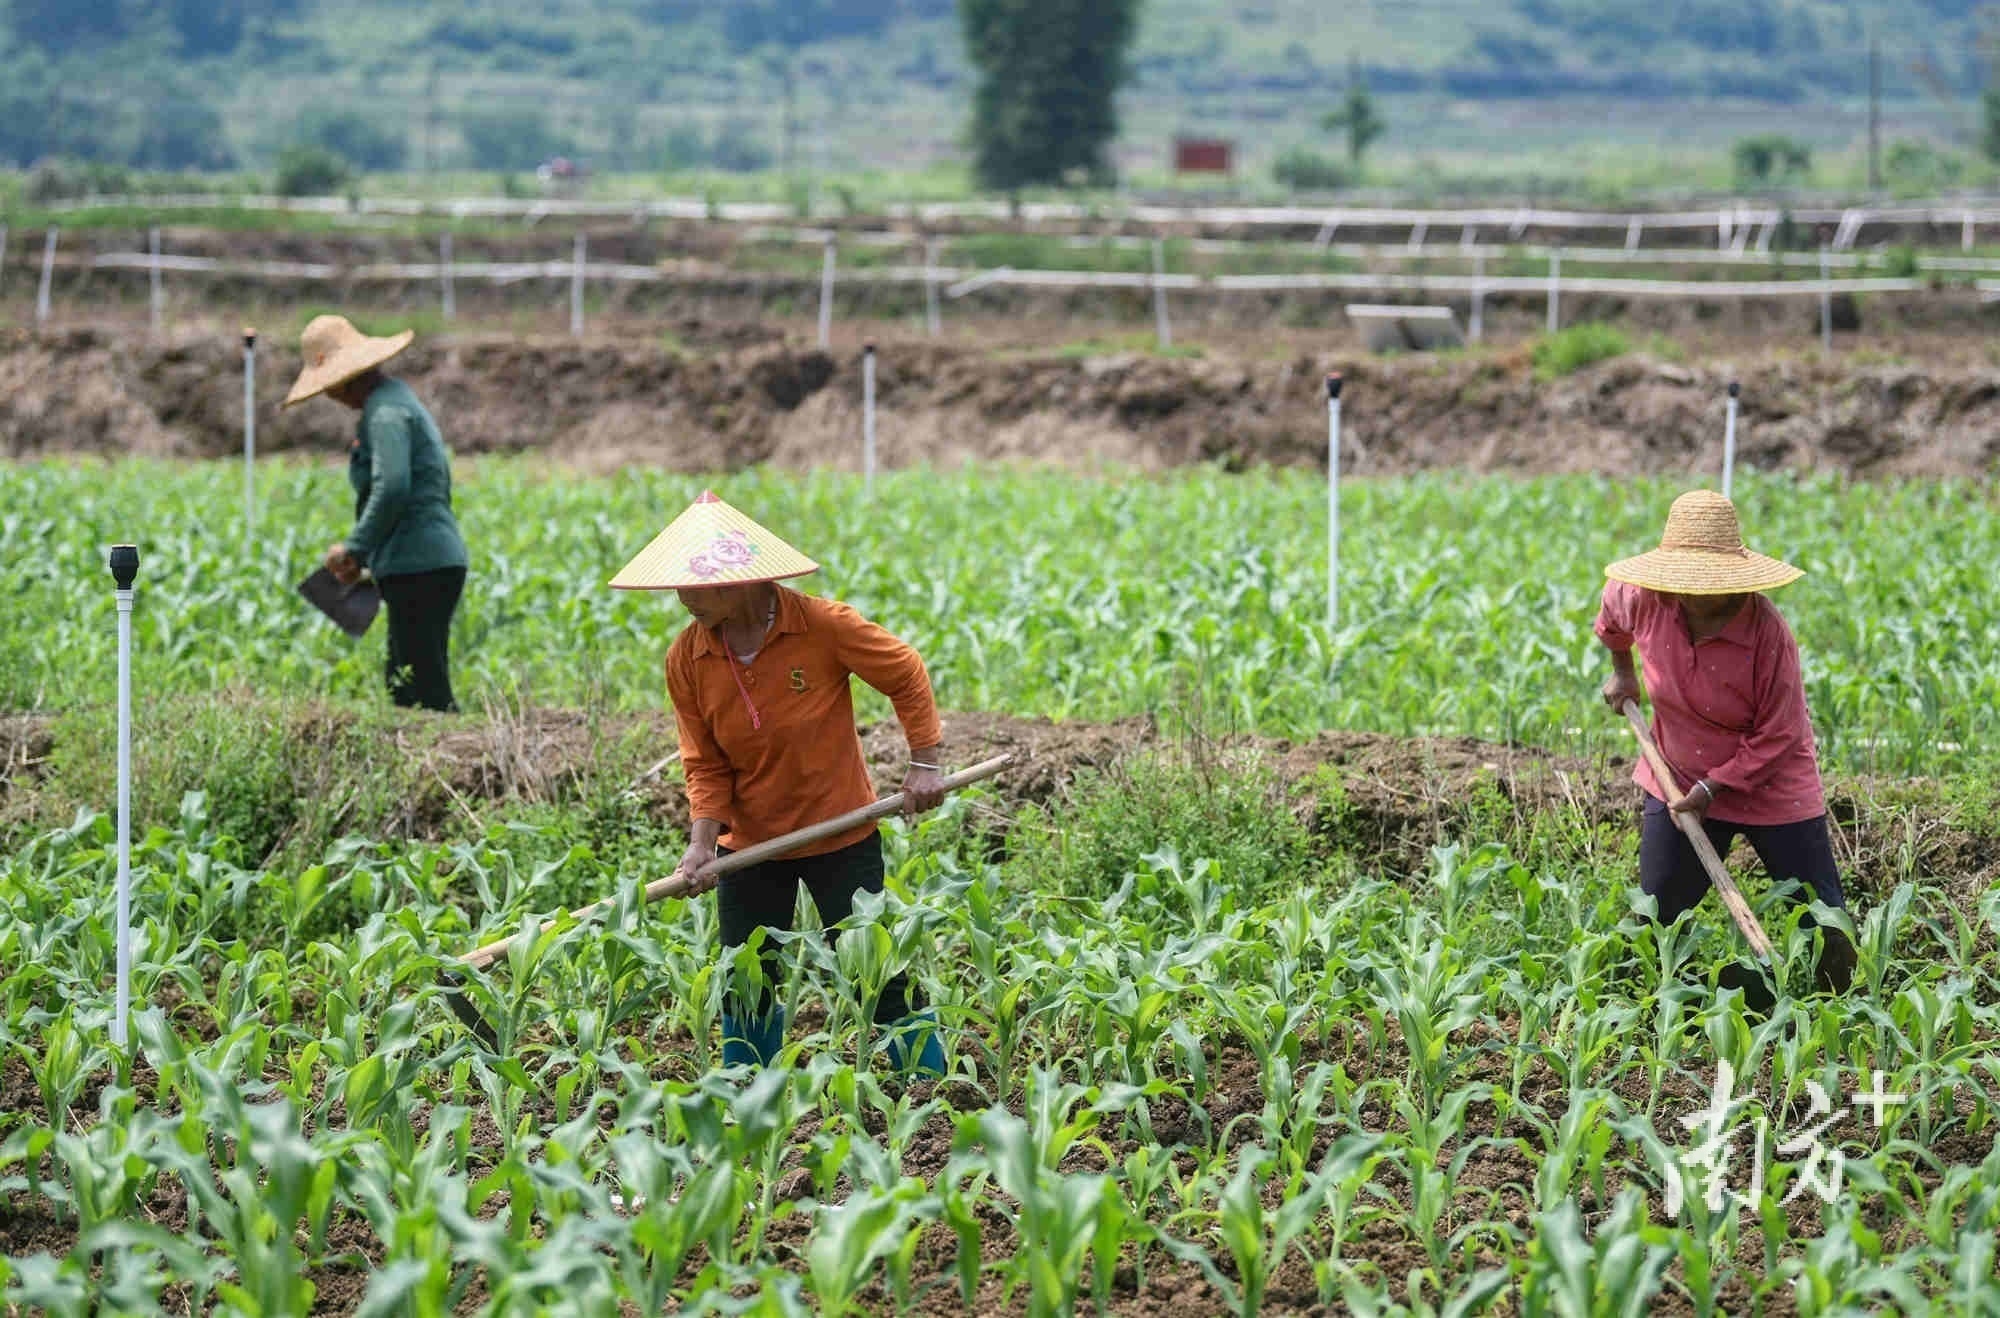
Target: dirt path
<point>735,397</point>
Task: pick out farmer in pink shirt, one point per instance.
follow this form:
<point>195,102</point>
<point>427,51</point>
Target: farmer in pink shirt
<point>1729,713</point>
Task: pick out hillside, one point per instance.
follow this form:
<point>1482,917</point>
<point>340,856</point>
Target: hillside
<point>655,84</point>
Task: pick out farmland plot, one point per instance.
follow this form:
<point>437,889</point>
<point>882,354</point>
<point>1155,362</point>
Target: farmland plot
<point>1266,1069</point>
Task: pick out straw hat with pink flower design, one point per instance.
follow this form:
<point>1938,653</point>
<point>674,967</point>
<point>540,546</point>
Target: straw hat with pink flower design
<point>711,544</point>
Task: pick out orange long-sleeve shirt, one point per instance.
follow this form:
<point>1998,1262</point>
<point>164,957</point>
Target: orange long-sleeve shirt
<point>770,746</point>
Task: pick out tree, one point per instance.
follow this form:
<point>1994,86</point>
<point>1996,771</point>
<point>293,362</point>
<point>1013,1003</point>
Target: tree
<point>310,171</point>
<point>1770,156</point>
<point>182,132</point>
<point>514,136</point>
<point>1049,73</point>
<point>1356,117</point>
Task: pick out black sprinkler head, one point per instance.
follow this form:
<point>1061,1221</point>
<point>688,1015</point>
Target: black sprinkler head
<point>124,565</point>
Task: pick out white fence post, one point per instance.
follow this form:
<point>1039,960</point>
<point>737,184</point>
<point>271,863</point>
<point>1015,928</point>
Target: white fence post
<point>3,249</point>
<point>48,277</point>
<point>1825,301</point>
<point>155,303</point>
<point>450,300</point>
<point>1163,329</point>
<point>1555,289</point>
<point>576,289</point>
<point>933,320</point>
<point>1965,234</point>
<point>1729,443</point>
<point>249,438</point>
<point>826,264</point>
<point>1478,327</point>
<point>1332,505</point>
<point>868,419</point>
<point>124,571</point>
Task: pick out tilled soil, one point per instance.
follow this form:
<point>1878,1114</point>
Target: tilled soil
<point>731,397</point>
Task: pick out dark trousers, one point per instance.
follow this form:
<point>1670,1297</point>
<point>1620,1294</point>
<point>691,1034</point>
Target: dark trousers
<point>1671,872</point>
<point>765,896</point>
<point>420,605</point>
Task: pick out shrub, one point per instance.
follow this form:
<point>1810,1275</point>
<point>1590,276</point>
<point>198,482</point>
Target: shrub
<point>1568,351</point>
<point>305,170</point>
<point>1921,168</point>
<point>1304,168</point>
<point>366,141</point>
<point>1771,156</point>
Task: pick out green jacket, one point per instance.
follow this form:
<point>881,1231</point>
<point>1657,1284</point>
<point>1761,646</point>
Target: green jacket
<point>401,474</point>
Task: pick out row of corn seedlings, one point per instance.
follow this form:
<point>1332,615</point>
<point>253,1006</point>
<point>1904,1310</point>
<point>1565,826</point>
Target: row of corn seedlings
<point>1484,1083</point>
<point>1468,601</point>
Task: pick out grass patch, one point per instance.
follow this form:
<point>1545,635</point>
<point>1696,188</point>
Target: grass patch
<point>1196,802</point>
<point>1570,350</point>
<point>1136,342</point>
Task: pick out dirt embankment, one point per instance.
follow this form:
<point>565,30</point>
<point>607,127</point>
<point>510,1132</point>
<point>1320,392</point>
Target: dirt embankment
<point>1384,800</point>
<point>743,398</point>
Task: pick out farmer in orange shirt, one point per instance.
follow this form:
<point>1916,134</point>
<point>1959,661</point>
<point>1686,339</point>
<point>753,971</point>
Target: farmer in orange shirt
<point>759,683</point>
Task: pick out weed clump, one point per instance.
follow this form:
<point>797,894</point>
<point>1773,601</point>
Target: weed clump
<point>1570,350</point>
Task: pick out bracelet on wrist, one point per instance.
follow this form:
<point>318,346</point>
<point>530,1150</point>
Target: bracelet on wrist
<point>919,764</point>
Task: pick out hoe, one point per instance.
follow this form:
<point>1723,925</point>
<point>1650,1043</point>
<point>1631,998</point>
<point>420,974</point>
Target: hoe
<point>1718,874</point>
<point>673,886</point>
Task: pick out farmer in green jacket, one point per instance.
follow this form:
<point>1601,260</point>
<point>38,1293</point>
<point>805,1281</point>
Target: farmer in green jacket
<point>404,533</point>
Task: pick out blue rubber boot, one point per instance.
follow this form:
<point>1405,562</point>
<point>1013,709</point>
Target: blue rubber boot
<point>752,1042</point>
<point>914,1045</point>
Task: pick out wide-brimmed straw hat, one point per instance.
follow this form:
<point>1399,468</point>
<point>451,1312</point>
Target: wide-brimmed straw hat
<point>336,352</point>
<point>1702,553</point>
<point>711,544</point>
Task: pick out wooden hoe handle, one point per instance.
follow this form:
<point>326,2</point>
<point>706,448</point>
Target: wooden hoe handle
<point>1739,910</point>
<point>672,885</point>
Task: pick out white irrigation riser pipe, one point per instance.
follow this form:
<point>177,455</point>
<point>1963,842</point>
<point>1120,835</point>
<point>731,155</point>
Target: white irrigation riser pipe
<point>1163,328</point>
<point>868,421</point>
<point>1729,442</point>
<point>1332,506</point>
<point>249,439</point>
<point>124,563</point>
<point>1825,305</point>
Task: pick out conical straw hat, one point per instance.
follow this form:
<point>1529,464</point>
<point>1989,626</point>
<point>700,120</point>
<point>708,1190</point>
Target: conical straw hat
<point>1702,553</point>
<point>711,544</point>
<point>336,352</point>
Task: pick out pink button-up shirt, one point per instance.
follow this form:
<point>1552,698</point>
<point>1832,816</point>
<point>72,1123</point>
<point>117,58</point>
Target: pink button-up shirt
<point>1731,709</point>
